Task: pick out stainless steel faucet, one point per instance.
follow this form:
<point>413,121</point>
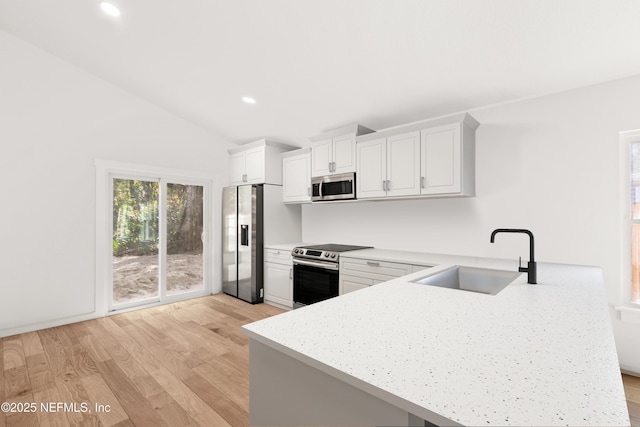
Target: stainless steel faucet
<point>531,269</point>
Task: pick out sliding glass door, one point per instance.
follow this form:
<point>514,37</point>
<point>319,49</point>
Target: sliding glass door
<point>185,214</point>
<point>158,231</point>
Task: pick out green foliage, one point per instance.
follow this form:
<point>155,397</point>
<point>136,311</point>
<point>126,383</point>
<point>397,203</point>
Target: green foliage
<point>136,218</point>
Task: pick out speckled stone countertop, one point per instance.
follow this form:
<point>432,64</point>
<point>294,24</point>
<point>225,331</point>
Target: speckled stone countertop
<point>531,355</point>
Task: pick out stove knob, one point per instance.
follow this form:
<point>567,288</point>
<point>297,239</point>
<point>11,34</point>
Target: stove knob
<point>333,255</point>
<point>326,254</point>
<point>295,251</point>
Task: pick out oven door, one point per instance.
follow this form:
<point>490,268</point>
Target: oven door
<point>314,281</point>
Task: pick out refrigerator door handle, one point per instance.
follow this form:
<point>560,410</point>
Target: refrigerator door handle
<point>244,235</point>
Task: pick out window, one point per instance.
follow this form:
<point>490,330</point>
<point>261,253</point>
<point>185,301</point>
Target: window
<point>631,146</point>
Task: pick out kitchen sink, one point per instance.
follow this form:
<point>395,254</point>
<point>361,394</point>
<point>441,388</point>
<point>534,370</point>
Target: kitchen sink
<point>472,279</point>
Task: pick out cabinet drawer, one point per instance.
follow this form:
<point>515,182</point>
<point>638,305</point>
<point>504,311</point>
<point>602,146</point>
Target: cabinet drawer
<point>377,270</point>
<point>279,256</point>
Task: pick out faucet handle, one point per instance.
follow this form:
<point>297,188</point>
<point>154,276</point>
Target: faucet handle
<point>521,269</point>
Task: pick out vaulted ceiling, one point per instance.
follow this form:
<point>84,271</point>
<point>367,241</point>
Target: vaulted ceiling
<point>315,65</point>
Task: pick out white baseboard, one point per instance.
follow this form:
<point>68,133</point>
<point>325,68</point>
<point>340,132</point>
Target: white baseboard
<point>49,324</point>
<point>629,372</point>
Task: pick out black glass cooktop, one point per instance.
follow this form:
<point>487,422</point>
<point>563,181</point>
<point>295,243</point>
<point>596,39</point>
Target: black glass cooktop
<point>332,247</point>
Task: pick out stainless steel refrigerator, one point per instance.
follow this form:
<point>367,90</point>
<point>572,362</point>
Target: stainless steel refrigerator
<point>253,215</point>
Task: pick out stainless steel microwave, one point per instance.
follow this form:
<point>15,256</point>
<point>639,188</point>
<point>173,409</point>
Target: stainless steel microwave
<point>333,187</point>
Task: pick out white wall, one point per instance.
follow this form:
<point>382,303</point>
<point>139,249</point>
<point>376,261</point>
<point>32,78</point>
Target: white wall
<point>54,121</point>
<point>549,164</point>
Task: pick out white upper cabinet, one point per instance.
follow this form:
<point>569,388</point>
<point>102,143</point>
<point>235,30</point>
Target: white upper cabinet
<point>257,163</point>
<point>371,171</point>
<point>433,158</point>
<point>334,155</point>
<point>296,176</point>
<point>448,159</point>
<point>335,151</point>
<point>441,160</point>
<point>389,167</point>
<point>237,168</point>
<point>403,164</point>
<point>344,154</point>
<point>322,156</point>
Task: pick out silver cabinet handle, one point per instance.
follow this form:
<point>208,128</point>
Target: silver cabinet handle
<point>388,185</point>
<point>291,273</point>
<point>422,182</point>
<point>384,185</point>
<point>373,263</point>
<point>308,191</point>
<point>333,166</point>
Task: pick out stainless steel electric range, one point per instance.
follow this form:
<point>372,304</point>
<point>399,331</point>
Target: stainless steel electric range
<point>316,272</point>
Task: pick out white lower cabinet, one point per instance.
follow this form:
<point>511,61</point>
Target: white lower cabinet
<point>356,274</point>
<point>353,283</point>
<point>278,278</point>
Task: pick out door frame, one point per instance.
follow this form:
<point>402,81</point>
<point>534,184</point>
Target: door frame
<point>106,171</point>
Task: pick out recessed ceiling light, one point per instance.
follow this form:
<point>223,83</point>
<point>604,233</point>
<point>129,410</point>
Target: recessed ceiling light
<point>109,9</point>
<point>248,100</point>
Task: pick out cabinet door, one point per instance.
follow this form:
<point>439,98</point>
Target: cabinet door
<point>255,160</point>
<point>403,164</point>
<point>344,154</point>
<point>237,167</point>
<point>441,160</point>
<point>296,178</point>
<point>278,283</point>
<point>372,168</point>
<point>353,283</point>
<point>321,156</point>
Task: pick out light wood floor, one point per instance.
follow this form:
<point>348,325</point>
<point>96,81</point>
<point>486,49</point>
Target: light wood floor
<point>632,391</point>
<point>183,364</point>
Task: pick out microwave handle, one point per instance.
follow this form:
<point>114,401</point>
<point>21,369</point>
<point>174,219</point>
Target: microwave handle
<point>320,188</point>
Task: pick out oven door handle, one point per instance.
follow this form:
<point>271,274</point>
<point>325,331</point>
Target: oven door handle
<point>325,265</point>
